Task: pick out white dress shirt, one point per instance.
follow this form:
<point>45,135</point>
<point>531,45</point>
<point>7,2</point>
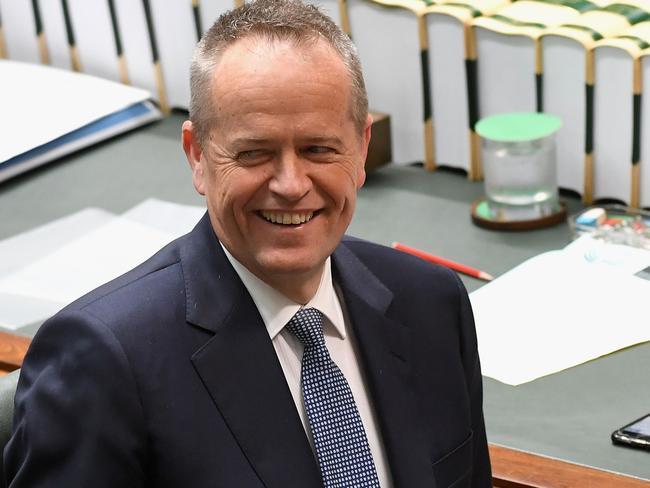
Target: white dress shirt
<point>276,311</point>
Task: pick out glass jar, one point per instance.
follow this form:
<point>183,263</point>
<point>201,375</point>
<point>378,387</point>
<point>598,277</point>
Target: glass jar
<point>519,164</point>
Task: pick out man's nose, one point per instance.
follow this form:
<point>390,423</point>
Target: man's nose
<point>290,179</point>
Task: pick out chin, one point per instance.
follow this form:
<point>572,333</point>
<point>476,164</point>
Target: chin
<point>291,262</point>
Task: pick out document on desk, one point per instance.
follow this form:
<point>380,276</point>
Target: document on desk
<point>25,248</point>
<point>52,265</point>
<point>174,218</point>
<point>64,112</point>
<point>76,268</point>
<point>560,309</point>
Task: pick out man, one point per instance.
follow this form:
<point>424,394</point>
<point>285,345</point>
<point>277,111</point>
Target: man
<point>207,365</point>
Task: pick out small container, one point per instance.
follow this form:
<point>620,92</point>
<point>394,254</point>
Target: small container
<point>619,225</point>
<point>519,165</point>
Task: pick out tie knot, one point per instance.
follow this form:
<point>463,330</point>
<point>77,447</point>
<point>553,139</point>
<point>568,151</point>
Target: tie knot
<point>307,326</point>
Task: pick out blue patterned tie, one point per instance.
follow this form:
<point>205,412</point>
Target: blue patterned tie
<point>339,438</point>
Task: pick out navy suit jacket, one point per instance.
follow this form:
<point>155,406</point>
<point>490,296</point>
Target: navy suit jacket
<point>166,377</point>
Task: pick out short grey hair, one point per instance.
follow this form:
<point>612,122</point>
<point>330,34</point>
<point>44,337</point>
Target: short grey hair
<point>273,20</point>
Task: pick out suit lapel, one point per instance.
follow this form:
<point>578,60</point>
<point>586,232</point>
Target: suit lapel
<point>385,346</point>
<point>240,369</point>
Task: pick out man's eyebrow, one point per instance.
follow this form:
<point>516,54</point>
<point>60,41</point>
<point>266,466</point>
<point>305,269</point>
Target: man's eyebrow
<point>322,139</point>
<point>245,141</point>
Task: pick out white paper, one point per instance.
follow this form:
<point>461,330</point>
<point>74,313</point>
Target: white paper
<point>41,103</point>
<point>38,290</point>
<point>18,310</point>
<point>32,245</point>
<point>560,309</point>
<point>87,262</point>
<point>174,218</point>
<point>623,258</point>
<point>48,267</point>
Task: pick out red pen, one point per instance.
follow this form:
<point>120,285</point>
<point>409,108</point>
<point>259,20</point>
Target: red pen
<point>461,268</point>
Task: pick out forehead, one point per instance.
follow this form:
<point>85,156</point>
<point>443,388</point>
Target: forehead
<point>258,63</point>
<point>257,47</point>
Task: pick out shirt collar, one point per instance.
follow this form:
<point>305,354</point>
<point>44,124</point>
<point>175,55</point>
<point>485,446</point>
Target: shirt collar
<point>276,309</point>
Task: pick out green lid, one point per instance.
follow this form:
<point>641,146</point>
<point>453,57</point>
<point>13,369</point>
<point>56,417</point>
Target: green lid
<point>518,126</point>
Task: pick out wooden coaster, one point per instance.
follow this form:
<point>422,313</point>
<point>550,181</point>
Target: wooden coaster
<point>479,218</point>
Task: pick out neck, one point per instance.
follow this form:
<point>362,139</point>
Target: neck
<point>298,288</point>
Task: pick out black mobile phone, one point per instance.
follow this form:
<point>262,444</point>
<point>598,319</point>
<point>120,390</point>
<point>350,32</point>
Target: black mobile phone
<point>635,434</point>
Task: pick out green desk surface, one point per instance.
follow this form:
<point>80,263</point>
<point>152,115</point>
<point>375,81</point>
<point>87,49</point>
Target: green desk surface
<point>568,416</point>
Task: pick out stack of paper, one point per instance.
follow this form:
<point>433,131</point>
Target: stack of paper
<point>560,309</point>
<point>51,266</point>
<point>48,113</point>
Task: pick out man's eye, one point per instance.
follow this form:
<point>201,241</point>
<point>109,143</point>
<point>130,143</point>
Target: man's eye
<point>319,149</point>
<point>252,156</point>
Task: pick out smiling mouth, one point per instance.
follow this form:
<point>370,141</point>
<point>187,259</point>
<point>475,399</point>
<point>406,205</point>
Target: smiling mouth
<point>287,218</point>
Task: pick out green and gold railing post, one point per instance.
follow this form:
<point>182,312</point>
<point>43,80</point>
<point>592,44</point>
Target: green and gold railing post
<point>429,143</point>
<point>345,17</point>
<point>69,30</point>
<point>581,31</point>
<point>43,52</point>
<point>588,188</point>
<point>196,12</point>
<point>539,77</point>
<point>158,74</point>
<point>471,72</point>
<point>623,20</point>
<point>119,50</point>
<point>3,48</point>
<point>635,190</point>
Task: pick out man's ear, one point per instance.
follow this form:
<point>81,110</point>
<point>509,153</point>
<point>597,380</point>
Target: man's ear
<point>361,170</point>
<point>193,152</point>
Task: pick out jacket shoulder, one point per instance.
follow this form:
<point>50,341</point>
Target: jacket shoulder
<point>394,267</point>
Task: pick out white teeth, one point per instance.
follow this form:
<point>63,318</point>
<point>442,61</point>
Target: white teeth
<point>294,218</point>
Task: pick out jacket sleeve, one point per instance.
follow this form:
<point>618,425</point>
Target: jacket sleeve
<point>481,471</point>
<point>78,418</point>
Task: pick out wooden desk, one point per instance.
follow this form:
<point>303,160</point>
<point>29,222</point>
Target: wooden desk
<point>516,469</point>
<point>12,351</point>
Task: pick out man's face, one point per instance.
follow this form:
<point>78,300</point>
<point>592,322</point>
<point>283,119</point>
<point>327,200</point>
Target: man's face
<point>284,160</point>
